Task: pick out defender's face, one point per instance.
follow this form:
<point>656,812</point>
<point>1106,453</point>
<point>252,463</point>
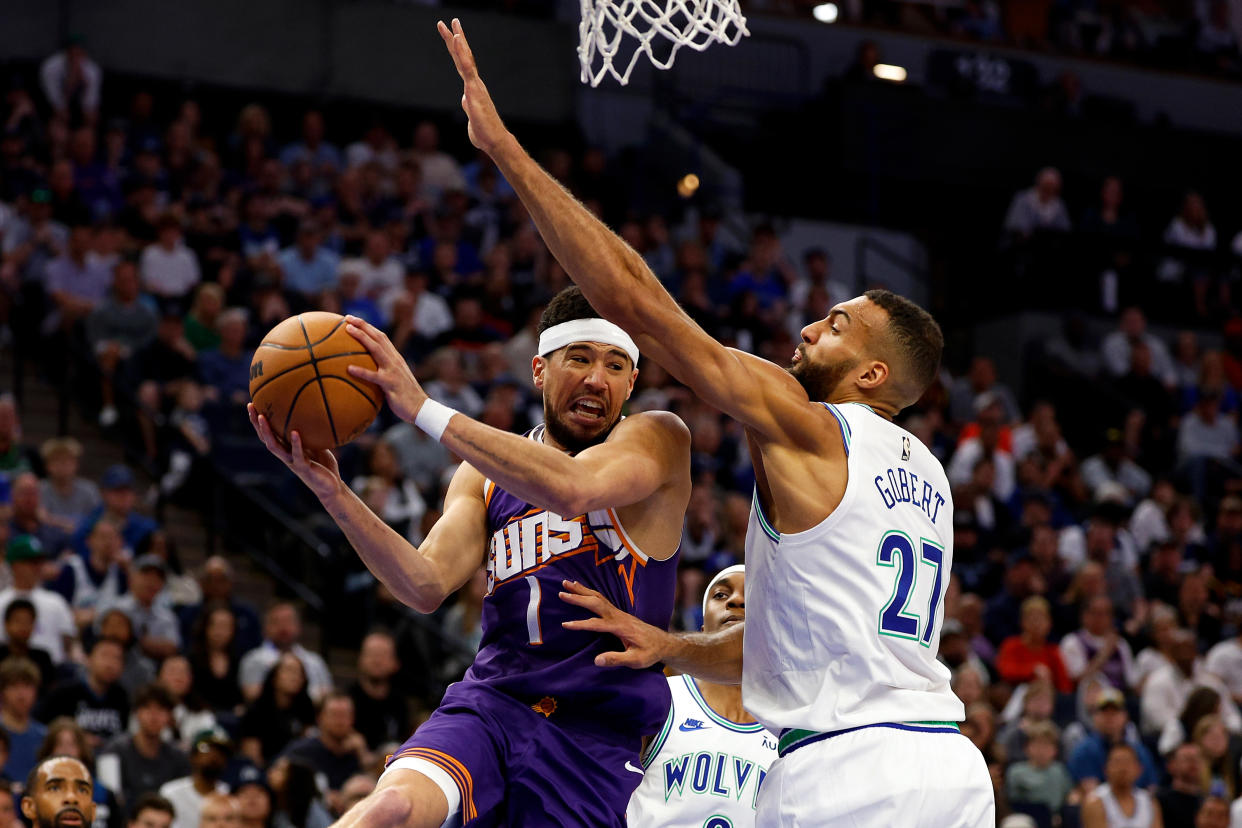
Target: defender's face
<point>833,346</point>
<point>726,603</point>
<point>584,386</point>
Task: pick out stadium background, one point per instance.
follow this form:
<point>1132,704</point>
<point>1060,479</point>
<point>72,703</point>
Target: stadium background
<point>1057,181</point>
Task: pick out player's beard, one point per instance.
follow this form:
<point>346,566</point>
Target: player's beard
<point>819,380</point>
<point>565,436</point>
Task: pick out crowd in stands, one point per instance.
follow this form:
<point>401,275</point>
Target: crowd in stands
<point>1093,623</point>
<point>1201,36</point>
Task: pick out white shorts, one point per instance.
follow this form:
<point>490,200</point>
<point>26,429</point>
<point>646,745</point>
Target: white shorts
<point>880,777</point>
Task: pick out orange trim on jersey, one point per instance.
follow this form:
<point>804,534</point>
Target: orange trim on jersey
<point>591,546</point>
<point>456,771</point>
<point>625,541</point>
<point>488,488</point>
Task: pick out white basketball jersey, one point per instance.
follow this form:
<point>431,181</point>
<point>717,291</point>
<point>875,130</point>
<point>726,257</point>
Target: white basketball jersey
<point>843,620</point>
<point>702,771</point>
<point>1143,813</point>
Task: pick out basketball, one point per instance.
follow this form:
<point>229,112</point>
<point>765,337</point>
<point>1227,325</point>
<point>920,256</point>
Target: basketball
<point>299,381</point>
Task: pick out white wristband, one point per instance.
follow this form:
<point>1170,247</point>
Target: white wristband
<point>433,418</point>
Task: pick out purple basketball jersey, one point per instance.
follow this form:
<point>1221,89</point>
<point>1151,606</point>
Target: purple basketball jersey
<point>527,654</point>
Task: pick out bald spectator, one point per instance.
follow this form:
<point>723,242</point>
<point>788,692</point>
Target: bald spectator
<point>29,518</point>
<point>1039,208</point>
<point>381,713</point>
<point>282,628</point>
<point>54,630</point>
<point>216,582</point>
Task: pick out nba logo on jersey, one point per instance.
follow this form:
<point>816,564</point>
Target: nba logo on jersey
<point>905,448</point>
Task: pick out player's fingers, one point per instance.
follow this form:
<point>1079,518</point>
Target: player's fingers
<point>470,70</point>
<point>588,602</point>
<point>450,40</point>
<point>296,451</point>
<point>597,625</point>
<point>579,589</point>
<point>630,658</point>
<point>364,374</point>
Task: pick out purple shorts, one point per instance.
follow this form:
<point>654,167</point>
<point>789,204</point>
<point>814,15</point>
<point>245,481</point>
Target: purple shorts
<point>515,765</point>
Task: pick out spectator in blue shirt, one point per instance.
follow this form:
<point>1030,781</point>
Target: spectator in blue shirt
<point>119,497</point>
<point>308,268</point>
<point>226,370</point>
<point>1111,726</point>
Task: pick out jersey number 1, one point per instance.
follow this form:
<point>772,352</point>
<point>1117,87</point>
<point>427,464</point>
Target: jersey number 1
<point>897,550</point>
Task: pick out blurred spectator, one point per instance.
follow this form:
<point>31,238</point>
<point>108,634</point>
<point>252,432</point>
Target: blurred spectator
<point>1213,813</point>
<point>71,81</point>
<point>390,495</point>
<point>65,495</point>
<point>308,267</point>
<point>190,714</point>
<point>169,269</point>
<point>376,145</point>
<point>298,802</point>
<point>1207,446</point>
<point>1097,648</point>
<point>1122,800</point>
<point>462,626</point>
<point>377,269</point>
<point>96,702</point>
<point>96,580</point>
<point>19,689</point>
<point>323,157</point>
<point>213,656</point>
<point>969,388</point>
<point>254,797</point>
<point>27,516</point>
<point>355,789</point>
<point>1040,779</point>
<point>1166,691</point>
<point>282,711</point>
<point>117,488</point>
<point>1030,655</point>
<point>141,762</point>
<point>1112,466</point>
<point>219,811</point>
<point>138,670</point>
<point>335,749</point>
<point>75,282</point>
<point>988,440</point>
<point>1181,797</point>
<point>1132,328</point>
<point>19,626</point>
<point>151,811</point>
<point>440,171</point>
<point>155,625</point>
<point>1213,740</point>
<point>282,628</point>
<point>201,323</point>
<point>1110,727</point>
<point>380,709</point>
<point>209,755</point>
<point>226,370</point>
<point>216,581</point>
<point>1039,208</point>
<point>1202,702</point>
<point>66,738</point>
<point>54,630</point>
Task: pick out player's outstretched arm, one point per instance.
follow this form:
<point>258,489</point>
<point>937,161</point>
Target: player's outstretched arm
<point>715,657</point>
<point>644,453</point>
<point>618,283</point>
<point>422,577</point>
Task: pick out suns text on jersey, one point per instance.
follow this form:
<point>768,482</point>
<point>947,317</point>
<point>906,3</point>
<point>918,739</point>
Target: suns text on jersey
<point>529,541</point>
<point>901,486</point>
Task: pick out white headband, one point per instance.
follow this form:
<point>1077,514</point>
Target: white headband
<point>720,576</point>
<point>586,330</point>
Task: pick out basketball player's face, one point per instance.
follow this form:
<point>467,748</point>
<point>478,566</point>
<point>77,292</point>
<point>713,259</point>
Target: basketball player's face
<point>726,603</point>
<point>832,348</point>
<point>584,386</point>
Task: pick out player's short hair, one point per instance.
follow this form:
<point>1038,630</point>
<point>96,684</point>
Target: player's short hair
<point>916,337</point>
<point>566,306</point>
<point>32,778</point>
<point>151,801</point>
<point>18,670</point>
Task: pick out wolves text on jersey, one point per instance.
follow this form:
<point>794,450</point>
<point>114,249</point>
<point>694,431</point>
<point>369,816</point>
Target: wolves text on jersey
<point>717,774</point>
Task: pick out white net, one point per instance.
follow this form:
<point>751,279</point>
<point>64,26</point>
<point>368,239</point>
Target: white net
<point>658,27</point>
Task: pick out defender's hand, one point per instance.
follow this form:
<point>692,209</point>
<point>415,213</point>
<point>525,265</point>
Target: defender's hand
<point>644,644</point>
<point>317,469</point>
<point>486,130</point>
<point>393,375</point>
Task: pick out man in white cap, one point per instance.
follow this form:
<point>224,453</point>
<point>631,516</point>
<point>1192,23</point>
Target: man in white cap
<point>589,496</point>
<point>706,765</point>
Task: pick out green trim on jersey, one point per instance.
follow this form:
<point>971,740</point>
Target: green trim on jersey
<point>736,727</point>
<point>790,739</point>
<point>763,521</point>
<point>653,749</point>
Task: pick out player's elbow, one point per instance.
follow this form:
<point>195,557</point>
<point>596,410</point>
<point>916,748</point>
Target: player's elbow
<point>425,599</point>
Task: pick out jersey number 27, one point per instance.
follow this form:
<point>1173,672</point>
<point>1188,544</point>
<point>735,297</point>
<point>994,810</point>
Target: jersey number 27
<point>897,551</point>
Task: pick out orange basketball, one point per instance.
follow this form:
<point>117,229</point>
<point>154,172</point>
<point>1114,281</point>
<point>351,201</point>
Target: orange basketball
<point>299,383</point>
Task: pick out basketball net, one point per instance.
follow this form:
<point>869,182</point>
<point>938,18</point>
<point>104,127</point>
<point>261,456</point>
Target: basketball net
<point>664,25</point>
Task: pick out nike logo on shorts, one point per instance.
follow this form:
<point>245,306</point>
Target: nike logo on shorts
<point>629,766</point>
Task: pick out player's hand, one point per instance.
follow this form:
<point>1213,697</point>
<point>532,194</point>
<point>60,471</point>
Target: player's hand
<point>393,375</point>
<point>317,469</point>
<point>486,130</point>
<point>644,644</point>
